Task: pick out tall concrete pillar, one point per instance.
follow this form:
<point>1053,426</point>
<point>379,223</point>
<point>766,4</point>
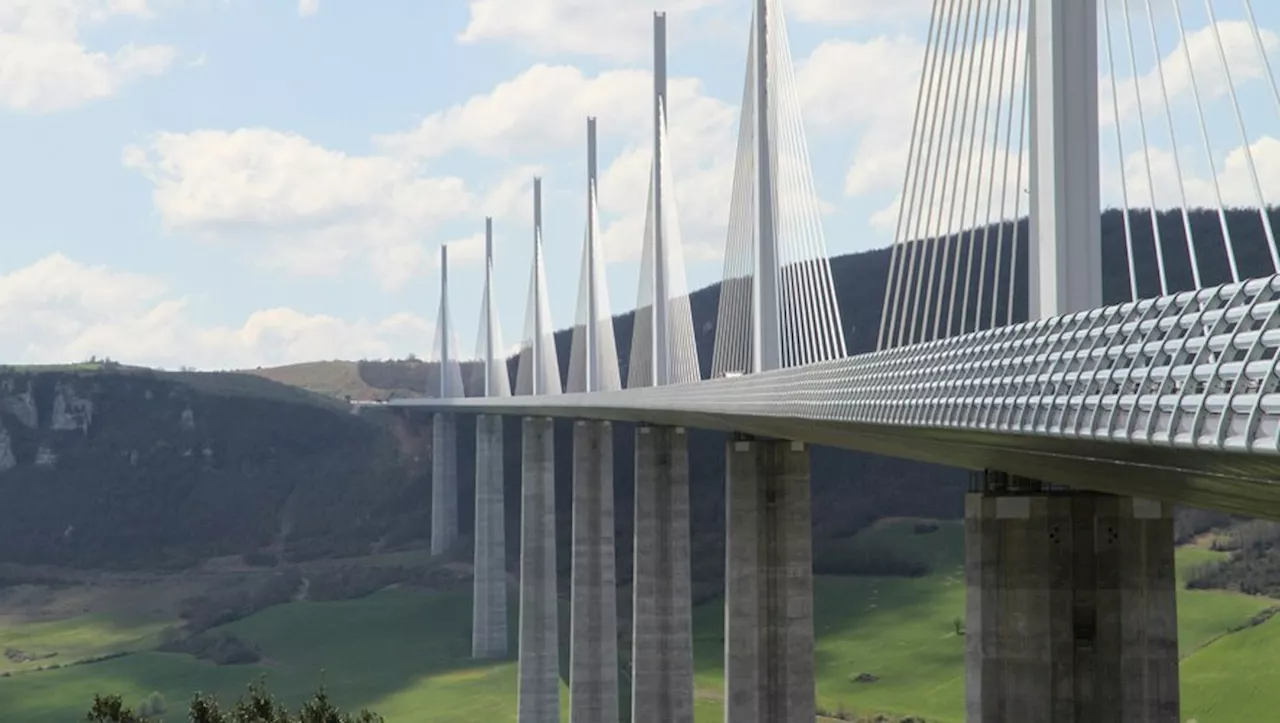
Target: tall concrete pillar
<point>662,616</point>
<point>593,652</point>
<point>1071,610</point>
<point>539,686</point>
<point>489,599</point>
<point>769,670</point>
<point>444,483</point>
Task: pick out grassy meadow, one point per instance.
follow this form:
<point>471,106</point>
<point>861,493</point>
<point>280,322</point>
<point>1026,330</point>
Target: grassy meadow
<point>403,652</point>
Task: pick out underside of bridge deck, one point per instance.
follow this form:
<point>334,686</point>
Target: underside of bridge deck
<point>1239,483</point>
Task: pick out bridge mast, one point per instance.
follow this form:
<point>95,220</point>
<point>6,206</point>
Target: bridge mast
<point>445,331</point>
<point>538,291</point>
<point>766,353</point>
<point>661,361</point>
<point>488,304</point>
<point>593,308</point>
<point>444,432</point>
<point>1065,258</point>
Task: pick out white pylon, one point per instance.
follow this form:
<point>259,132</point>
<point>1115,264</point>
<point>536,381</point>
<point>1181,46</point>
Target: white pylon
<point>539,366</point>
<point>593,360</point>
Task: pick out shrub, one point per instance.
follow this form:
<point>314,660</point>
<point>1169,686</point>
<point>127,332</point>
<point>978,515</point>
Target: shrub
<point>210,611</point>
<point>258,706</point>
<point>221,648</point>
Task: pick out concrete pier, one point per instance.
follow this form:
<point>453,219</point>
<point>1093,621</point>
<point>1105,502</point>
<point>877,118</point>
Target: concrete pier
<point>539,687</point>
<point>444,483</point>
<point>489,599</point>
<point>1071,615</point>
<point>593,636</point>
<point>769,669</point>
<point>662,618</point>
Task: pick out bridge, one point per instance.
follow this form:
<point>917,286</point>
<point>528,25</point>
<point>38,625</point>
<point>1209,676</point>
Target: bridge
<point>1084,425</point>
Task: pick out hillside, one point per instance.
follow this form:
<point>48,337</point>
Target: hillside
<point>119,468</point>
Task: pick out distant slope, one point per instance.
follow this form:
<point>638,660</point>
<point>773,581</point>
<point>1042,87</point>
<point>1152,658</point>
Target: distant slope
<point>364,380</point>
<point>337,379</point>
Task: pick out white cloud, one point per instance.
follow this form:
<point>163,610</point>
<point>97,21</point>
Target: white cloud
<point>620,29</point>
<point>45,66</point>
<point>319,210</point>
<point>867,89</point>
<point>543,108</point>
<point>60,310</point>
<point>616,29</point>
<point>509,201</point>
<point>858,11</point>
<point>307,8</point>
<point>1232,174</point>
<point>839,78</point>
<point>1238,44</point>
<point>516,120</point>
<point>1228,167</point>
<point>298,206</point>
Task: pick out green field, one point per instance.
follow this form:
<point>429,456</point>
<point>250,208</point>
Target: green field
<point>78,638</point>
<point>404,653</point>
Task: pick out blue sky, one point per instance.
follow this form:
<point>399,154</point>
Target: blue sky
<point>232,183</point>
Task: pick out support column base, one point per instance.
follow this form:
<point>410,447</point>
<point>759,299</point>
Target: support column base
<point>539,687</point>
<point>1071,614</point>
<point>593,656</point>
<point>769,669</point>
<point>662,615</point>
<point>489,597</point>
<point>444,483</point>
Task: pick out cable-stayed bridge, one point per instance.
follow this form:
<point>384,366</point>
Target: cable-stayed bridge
<point>1170,397</point>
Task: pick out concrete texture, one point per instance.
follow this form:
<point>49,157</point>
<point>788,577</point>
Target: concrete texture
<point>662,619</point>
<point>444,483</point>
<point>539,685</point>
<point>769,668</point>
<point>1071,613</point>
<point>489,599</point>
<point>593,637</point>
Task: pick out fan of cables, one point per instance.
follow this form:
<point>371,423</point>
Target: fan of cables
<point>786,209</point>
<point>1190,209</point>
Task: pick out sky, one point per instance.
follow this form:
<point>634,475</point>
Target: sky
<point>237,183</point>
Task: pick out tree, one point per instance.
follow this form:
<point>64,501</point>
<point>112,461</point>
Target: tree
<point>257,706</point>
<point>111,709</point>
